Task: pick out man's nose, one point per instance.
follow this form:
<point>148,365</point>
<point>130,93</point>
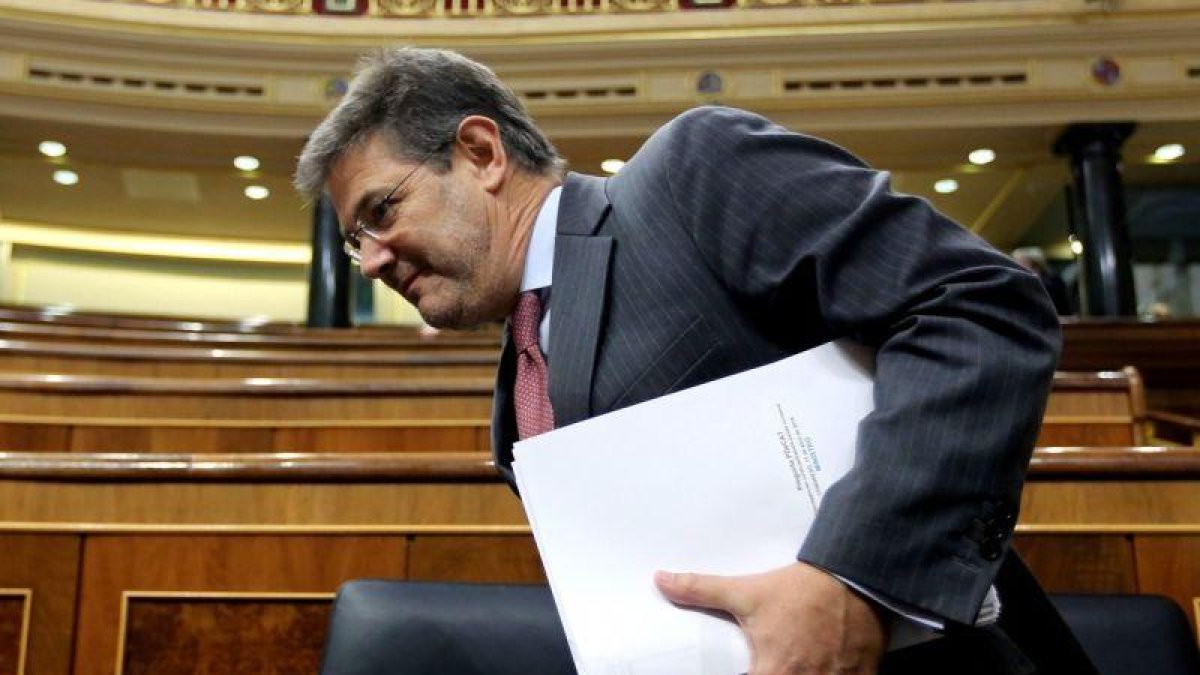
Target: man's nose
<point>375,259</point>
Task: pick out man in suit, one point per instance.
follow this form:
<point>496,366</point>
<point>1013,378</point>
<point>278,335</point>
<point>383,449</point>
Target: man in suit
<point>725,243</point>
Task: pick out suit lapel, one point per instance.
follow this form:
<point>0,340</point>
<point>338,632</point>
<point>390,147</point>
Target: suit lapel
<point>580,282</point>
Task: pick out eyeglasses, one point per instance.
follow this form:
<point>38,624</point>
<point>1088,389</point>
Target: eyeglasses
<point>375,225</point>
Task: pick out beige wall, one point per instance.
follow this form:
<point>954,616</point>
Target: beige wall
<point>143,284</point>
<point>99,281</point>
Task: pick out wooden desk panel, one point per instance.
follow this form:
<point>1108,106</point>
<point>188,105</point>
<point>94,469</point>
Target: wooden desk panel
<point>1120,519</point>
<point>229,564</point>
<point>47,565</point>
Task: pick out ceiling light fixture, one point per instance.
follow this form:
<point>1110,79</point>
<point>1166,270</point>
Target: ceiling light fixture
<point>945,186</point>
<point>66,177</point>
<point>982,156</point>
<point>612,165</point>
<point>246,163</point>
<point>52,148</point>
<point>1076,245</point>
<point>257,192</point>
<point>1168,153</point>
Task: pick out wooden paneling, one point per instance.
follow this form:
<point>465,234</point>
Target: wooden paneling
<point>88,358</point>
<point>1086,433</point>
<point>474,558</point>
<point>1081,563</point>
<point>1170,565</point>
<point>115,564</point>
<point>107,438</point>
<point>214,636</point>
<point>260,504</point>
<point>47,565</point>
<point>463,437</point>
<point>336,340</point>
<point>14,606</point>
<point>1110,503</point>
<point>21,437</point>
<point>135,398</point>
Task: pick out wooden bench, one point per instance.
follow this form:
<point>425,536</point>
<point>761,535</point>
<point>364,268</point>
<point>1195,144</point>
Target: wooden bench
<point>246,399</point>
<point>91,358</point>
<point>329,339</point>
<point>284,414</point>
<point>1106,408</point>
<point>89,319</point>
<point>1164,352</point>
<point>47,433</point>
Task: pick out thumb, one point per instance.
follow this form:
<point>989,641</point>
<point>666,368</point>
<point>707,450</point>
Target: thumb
<point>701,590</point>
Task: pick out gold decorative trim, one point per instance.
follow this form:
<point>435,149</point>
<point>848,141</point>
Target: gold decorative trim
<point>1196,615</point>
<point>1108,528</point>
<point>333,528</point>
<point>128,596</point>
<point>26,613</point>
<point>501,530</point>
<point>10,418</point>
<point>1087,419</point>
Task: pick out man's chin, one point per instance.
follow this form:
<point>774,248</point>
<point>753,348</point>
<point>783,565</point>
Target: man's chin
<point>444,318</point>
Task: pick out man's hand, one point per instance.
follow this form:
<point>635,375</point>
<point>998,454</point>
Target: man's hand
<point>798,619</point>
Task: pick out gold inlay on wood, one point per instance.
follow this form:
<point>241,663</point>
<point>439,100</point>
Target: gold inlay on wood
<point>26,596</point>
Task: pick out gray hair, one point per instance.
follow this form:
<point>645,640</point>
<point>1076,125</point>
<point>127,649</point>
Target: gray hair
<point>418,97</point>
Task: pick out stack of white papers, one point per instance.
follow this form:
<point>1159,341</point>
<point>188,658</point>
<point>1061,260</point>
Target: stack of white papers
<point>723,478</point>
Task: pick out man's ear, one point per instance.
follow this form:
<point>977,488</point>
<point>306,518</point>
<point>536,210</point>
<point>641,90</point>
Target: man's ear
<point>478,142</point>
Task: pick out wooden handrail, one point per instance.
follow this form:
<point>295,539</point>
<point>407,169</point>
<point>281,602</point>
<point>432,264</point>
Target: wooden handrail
<point>1104,379</point>
<point>1048,464</point>
<point>264,386</point>
<point>1175,427</point>
<point>52,315</point>
<point>400,356</point>
<point>236,423</point>
<point>1178,419</point>
<point>1115,463</point>
<point>267,467</point>
<point>322,339</point>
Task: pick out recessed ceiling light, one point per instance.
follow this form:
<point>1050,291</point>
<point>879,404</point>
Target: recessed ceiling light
<point>1168,153</point>
<point>945,186</point>
<point>246,163</point>
<point>612,165</point>
<point>66,177</point>
<point>982,156</point>
<point>52,148</point>
<point>257,192</point>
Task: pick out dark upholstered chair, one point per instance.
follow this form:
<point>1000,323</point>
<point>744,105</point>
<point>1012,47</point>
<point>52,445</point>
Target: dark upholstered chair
<point>1126,634</point>
<point>415,628</point>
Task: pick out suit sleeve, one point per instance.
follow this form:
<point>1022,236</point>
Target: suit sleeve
<point>802,233</point>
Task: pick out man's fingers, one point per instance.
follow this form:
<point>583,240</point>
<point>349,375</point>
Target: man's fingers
<point>702,590</point>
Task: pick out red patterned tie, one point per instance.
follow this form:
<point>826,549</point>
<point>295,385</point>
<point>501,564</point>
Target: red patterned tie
<point>532,402</point>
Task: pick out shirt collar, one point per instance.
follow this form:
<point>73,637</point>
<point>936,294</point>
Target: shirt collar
<point>539,259</point>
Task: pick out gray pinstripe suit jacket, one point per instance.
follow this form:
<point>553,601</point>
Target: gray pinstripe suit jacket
<point>728,242</point>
